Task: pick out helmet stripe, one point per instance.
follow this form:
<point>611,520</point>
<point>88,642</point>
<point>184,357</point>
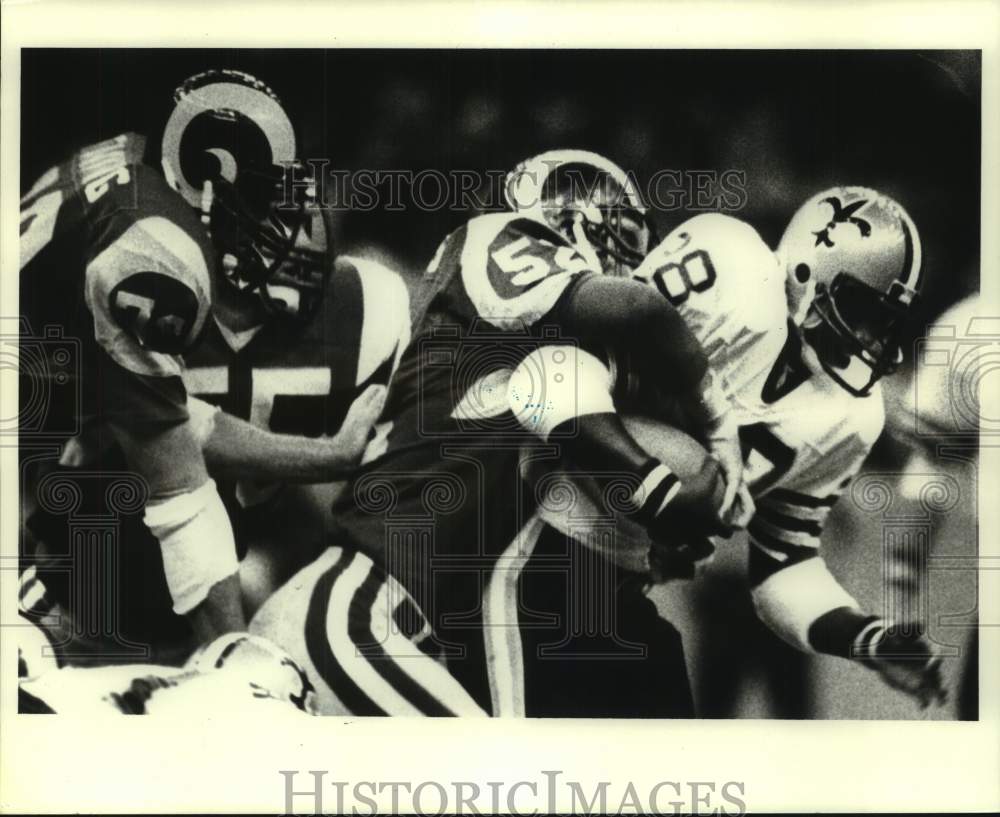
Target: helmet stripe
<point>907,271</point>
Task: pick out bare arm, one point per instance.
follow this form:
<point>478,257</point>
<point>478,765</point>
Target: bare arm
<point>236,449</point>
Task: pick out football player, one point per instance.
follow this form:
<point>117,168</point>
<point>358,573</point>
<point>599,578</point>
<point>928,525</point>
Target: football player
<point>408,611</point>
<point>146,250</point>
<point>297,357</point>
<point>801,337</point>
<point>233,674</point>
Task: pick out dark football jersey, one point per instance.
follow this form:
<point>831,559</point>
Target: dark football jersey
<point>302,380</point>
<point>439,498</point>
<point>115,284</point>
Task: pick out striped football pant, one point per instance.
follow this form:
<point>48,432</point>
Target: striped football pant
<point>362,640</point>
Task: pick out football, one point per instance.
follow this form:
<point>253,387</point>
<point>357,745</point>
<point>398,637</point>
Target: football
<point>574,502</point>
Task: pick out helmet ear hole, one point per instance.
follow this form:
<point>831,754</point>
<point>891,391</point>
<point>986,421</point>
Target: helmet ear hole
<point>802,273</point>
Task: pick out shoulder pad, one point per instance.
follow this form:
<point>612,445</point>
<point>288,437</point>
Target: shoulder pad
<point>385,318</point>
<point>490,225</point>
<point>724,257</point>
<point>158,310</point>
<point>515,268</point>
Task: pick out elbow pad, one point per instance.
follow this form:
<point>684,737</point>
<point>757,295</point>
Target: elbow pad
<point>791,599</point>
<point>555,384</point>
<point>197,543</point>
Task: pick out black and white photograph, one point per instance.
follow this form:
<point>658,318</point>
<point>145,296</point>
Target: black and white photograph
<point>622,387</point>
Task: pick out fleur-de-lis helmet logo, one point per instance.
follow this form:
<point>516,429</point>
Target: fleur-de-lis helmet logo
<point>842,215</point>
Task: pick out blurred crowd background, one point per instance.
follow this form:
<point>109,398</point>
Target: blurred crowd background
<point>794,122</point>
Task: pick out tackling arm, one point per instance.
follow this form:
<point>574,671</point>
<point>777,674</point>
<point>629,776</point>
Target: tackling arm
<point>660,348</point>
<point>236,449</point>
<point>660,351</point>
<point>578,411</point>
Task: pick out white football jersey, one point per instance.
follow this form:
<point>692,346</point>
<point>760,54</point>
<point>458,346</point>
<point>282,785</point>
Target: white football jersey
<point>804,436</point>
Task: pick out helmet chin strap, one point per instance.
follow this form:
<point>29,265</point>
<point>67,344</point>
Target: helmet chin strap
<point>811,358</point>
<point>855,376</point>
<point>583,245</point>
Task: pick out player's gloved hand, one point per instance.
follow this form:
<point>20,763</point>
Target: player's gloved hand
<point>713,414</point>
<point>907,662</point>
<point>742,509</point>
<point>724,445</point>
<point>692,512</point>
<point>348,444</point>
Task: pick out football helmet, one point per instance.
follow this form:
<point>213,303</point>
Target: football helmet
<point>589,200</point>
<point>852,259</point>
<point>226,148</point>
<point>259,662</point>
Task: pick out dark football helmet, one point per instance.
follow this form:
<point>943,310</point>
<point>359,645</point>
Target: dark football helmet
<point>852,258</point>
<point>227,148</point>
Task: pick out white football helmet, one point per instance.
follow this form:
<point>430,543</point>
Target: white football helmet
<point>852,258</point>
<point>588,199</point>
<point>258,662</point>
<point>237,674</point>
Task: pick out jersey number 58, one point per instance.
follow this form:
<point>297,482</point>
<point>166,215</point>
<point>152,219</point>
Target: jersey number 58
<point>677,280</point>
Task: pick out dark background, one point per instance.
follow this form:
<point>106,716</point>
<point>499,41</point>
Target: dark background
<point>907,123</point>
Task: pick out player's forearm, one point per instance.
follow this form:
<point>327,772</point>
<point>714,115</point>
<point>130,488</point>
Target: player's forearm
<point>220,612</point>
<point>655,350</point>
<point>238,450</point>
<point>563,394</point>
<point>639,323</point>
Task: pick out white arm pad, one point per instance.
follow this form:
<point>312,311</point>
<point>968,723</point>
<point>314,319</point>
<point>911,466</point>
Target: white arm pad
<point>554,384</point>
<point>202,419</point>
<point>196,540</point>
<point>789,601</point>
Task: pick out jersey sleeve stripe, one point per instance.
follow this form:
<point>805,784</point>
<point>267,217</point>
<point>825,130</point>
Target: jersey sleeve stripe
<point>805,500</point>
<point>798,511</point>
<point>762,563</point>
<point>659,486</point>
<point>789,522</point>
<point>48,183</point>
<point>768,556</point>
<point>781,540</point>
<point>780,551</point>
